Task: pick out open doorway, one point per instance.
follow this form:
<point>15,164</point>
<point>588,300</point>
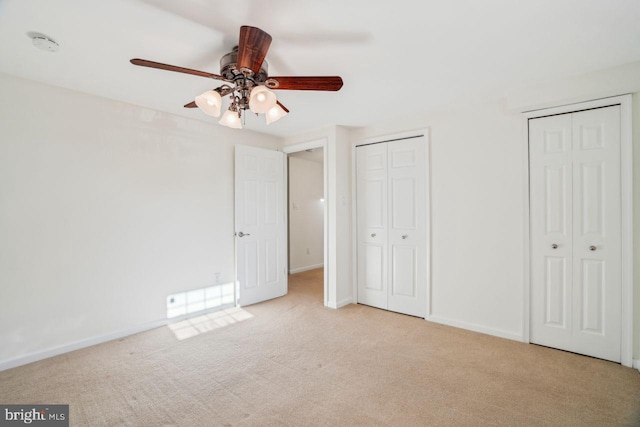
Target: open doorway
<point>307,221</point>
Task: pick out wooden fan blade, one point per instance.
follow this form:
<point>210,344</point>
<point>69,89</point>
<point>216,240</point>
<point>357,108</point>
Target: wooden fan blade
<point>152,64</point>
<point>192,104</point>
<point>329,83</point>
<point>252,48</point>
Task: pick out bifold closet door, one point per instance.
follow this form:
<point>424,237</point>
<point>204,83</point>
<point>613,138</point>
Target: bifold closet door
<point>407,227</point>
<point>391,225</point>
<point>371,189</point>
<point>576,232</point>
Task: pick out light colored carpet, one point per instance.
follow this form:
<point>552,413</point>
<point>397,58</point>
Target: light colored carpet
<point>296,363</point>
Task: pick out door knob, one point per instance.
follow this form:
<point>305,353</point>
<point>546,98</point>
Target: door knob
<point>554,246</point>
<point>241,234</point>
<point>404,236</point>
<point>373,234</point>
<point>592,248</point>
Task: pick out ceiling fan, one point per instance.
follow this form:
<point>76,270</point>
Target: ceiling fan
<point>247,81</point>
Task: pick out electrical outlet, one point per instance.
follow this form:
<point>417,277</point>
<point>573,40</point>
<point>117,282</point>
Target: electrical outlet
<point>217,278</point>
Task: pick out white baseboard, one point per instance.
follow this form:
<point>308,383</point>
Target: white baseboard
<point>475,327</point>
<point>76,345</point>
<point>636,364</point>
<point>182,317</point>
<point>344,302</point>
<point>307,268</point>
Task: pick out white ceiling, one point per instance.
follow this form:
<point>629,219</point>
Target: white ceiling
<point>396,57</point>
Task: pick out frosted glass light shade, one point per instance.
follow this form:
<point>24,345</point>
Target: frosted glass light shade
<point>209,102</point>
<point>275,113</point>
<point>231,119</point>
<point>261,100</point>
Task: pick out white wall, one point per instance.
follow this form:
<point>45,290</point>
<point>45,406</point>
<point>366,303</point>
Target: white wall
<point>477,187</point>
<point>342,160</point>
<point>105,209</point>
<point>615,81</point>
<point>476,215</point>
<point>306,214</point>
<point>600,84</point>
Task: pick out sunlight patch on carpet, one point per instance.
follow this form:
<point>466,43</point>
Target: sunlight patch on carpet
<point>195,300</point>
<point>190,328</point>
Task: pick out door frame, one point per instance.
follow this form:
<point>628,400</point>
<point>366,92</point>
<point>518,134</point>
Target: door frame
<point>417,133</point>
<point>626,183</point>
<point>295,148</point>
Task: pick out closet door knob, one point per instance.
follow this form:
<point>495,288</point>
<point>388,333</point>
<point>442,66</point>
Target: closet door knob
<point>373,234</point>
<point>404,236</point>
<point>554,246</point>
<point>592,248</point>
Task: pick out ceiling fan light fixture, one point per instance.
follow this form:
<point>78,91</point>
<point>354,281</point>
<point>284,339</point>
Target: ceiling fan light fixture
<point>209,103</point>
<point>261,100</point>
<point>275,113</point>
<point>231,119</point>
<point>245,72</point>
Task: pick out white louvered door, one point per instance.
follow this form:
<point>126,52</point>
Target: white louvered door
<point>391,225</point>
<point>576,232</point>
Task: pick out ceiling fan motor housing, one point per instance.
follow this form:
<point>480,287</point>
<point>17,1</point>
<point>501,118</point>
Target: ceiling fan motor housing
<point>229,67</point>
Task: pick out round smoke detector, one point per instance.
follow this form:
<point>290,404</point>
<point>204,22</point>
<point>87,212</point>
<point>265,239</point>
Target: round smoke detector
<point>44,42</point>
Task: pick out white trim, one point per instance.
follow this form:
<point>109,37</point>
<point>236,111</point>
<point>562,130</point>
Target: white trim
<point>344,302</point>
<point>626,179</point>
<point>77,345</point>
<point>579,106</point>
<point>302,146</point>
<point>475,328</point>
<point>285,225</point>
<point>307,268</point>
<point>182,317</point>
<point>354,226</point>
<point>427,186</point>
<point>416,133</point>
<point>526,308</point>
<point>636,364</point>
<point>626,189</point>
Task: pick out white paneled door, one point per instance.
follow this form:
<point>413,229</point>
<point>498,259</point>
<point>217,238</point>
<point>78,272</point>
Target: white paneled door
<point>576,232</point>
<point>391,225</point>
<point>260,224</point>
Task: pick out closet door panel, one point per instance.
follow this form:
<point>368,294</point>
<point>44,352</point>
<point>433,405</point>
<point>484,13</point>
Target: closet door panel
<point>576,232</point>
<point>372,222</point>
<point>407,226</point>
<point>550,147</point>
<point>597,232</point>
